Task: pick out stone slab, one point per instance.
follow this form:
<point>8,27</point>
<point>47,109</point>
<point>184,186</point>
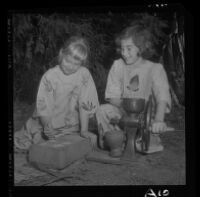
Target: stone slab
<point>57,154</point>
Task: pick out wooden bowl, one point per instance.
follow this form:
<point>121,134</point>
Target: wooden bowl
<point>114,139</point>
<point>133,105</point>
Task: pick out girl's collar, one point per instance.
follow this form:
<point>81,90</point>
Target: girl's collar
<point>138,63</point>
<point>61,71</point>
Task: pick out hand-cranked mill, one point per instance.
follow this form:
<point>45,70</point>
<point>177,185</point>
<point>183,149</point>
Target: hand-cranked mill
<point>136,126</point>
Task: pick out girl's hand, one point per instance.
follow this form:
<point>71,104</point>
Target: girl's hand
<point>48,128</point>
<point>92,137</point>
<point>49,132</point>
<point>158,127</point>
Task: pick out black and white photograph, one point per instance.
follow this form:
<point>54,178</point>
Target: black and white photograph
<point>99,96</point>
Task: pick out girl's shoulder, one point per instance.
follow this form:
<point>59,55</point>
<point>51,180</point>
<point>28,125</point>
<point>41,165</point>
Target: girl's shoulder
<point>118,65</point>
<point>156,69</point>
<point>154,65</point>
<point>51,73</point>
<point>83,72</point>
<point>84,69</point>
<point>119,62</point>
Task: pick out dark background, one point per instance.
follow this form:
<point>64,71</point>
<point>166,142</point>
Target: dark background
<point>37,35</point>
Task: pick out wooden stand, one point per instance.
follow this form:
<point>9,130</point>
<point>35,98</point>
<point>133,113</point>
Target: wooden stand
<point>129,152</point>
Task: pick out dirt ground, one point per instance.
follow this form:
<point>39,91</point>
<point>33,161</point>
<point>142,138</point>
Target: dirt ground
<point>163,168</point>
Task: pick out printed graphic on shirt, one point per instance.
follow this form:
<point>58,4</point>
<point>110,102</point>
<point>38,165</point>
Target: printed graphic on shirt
<point>88,107</point>
<point>41,104</point>
<point>134,84</point>
<point>48,86</point>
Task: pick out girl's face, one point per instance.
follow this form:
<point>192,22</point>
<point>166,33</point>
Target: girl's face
<point>69,65</point>
<point>129,51</point>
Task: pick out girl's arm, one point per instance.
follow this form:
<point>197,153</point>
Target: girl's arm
<point>163,99</point>
<point>88,99</point>
<point>44,103</point>
<point>159,125</point>
<point>160,113</point>
<point>84,120</point>
<point>88,104</point>
<point>48,128</point>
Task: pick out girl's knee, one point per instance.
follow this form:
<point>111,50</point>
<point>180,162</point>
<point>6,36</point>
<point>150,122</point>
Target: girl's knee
<point>102,109</point>
<point>105,108</point>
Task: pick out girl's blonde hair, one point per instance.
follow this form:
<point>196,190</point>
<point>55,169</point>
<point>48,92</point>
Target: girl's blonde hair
<point>77,47</point>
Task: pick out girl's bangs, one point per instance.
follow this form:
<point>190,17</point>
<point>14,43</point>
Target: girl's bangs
<point>78,52</point>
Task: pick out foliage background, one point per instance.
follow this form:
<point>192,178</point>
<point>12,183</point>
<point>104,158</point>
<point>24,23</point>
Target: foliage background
<point>37,38</point>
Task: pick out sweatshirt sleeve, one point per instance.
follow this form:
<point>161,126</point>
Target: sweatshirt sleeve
<point>88,98</point>
<point>44,101</point>
<point>161,85</point>
<point>114,82</point>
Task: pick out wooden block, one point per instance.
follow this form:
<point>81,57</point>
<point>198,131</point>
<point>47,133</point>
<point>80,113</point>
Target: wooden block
<point>59,153</point>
